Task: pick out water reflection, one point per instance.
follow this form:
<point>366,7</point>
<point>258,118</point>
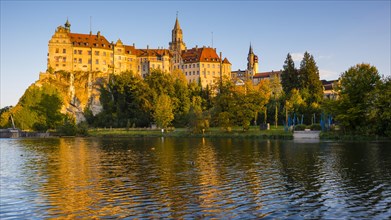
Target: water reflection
<point>193,178</point>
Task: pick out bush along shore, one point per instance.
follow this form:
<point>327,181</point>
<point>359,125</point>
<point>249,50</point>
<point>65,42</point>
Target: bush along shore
<point>236,132</point>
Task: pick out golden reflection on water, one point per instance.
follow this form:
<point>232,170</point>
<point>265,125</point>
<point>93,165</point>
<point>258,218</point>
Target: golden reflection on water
<point>70,186</point>
<point>209,181</point>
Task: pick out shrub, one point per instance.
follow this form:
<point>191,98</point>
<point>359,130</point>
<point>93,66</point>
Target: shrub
<point>300,127</point>
<point>315,127</point>
<point>82,129</point>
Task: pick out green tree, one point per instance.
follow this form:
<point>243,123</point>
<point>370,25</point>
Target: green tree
<point>38,109</point>
<point>380,108</point>
<point>290,75</point>
<point>309,79</point>
<point>277,93</point>
<point>125,98</point>
<point>355,91</point>
<point>356,94</point>
<point>294,104</point>
<point>163,113</point>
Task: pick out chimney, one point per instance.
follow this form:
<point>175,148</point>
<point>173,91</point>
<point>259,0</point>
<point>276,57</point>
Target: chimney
<point>98,34</point>
<point>196,47</point>
<point>134,45</point>
<point>147,47</point>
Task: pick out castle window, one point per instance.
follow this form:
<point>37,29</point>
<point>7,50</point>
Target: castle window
<point>193,65</point>
<point>57,50</point>
<point>64,50</point>
<point>104,62</point>
<point>80,60</point>
<point>74,51</point>
<point>96,61</point>
<point>198,72</point>
<point>208,65</point>
<point>119,50</point>
<point>153,66</point>
<point>75,60</point>
<point>63,64</point>
<point>89,52</point>
<point>97,53</point>
<point>104,53</point>
<point>213,73</point>
<point>202,65</point>
<point>198,65</point>
<point>213,65</point>
<point>86,44</point>
<point>79,51</point>
<point>89,61</point>
<point>111,54</point>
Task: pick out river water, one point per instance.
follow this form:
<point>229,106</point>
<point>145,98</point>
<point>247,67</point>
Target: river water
<point>194,178</point>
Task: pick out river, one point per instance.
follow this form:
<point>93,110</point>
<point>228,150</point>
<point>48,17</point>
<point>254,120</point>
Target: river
<point>194,178</point>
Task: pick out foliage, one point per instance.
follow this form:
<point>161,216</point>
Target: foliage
<point>163,112</point>
<point>38,109</point>
<point>300,127</point>
<point>356,102</point>
<point>315,127</point>
<point>224,121</point>
<point>309,79</point>
<point>290,75</point>
<point>124,98</point>
<point>380,111</point>
<point>68,127</point>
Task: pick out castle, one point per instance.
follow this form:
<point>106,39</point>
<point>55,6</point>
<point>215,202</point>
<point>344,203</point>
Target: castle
<point>74,52</point>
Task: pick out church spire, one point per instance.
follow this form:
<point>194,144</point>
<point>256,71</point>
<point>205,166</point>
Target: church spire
<point>250,51</point>
<point>177,26</point>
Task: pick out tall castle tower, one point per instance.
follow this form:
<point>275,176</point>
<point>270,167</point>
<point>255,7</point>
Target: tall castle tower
<point>177,45</point>
<point>252,63</point>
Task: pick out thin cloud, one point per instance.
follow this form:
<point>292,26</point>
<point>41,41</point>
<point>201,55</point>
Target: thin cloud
<point>328,74</point>
<point>297,56</point>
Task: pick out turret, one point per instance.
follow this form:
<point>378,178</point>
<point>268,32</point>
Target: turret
<point>67,25</point>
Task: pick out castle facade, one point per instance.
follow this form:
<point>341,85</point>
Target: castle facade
<point>74,52</point>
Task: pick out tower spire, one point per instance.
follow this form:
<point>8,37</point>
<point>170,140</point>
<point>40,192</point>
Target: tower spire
<point>250,51</point>
<point>67,25</point>
<point>177,26</point>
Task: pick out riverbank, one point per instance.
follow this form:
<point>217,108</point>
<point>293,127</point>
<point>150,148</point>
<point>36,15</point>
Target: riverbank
<point>332,135</point>
<point>237,132</point>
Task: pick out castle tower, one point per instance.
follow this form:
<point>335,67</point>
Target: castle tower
<point>252,62</point>
<point>177,45</point>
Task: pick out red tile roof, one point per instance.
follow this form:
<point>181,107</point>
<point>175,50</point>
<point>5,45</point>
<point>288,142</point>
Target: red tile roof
<point>266,74</point>
<point>204,54</point>
<point>153,52</point>
<point>226,61</point>
<point>89,40</point>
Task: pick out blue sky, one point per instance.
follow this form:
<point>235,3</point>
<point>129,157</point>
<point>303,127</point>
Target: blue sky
<point>339,34</point>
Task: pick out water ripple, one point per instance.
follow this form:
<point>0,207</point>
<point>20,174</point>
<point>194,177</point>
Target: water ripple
<point>193,178</point>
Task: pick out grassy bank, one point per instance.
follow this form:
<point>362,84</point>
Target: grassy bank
<point>334,135</point>
<point>253,132</point>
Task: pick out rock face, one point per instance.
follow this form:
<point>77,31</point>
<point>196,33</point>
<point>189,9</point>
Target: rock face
<point>79,90</point>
